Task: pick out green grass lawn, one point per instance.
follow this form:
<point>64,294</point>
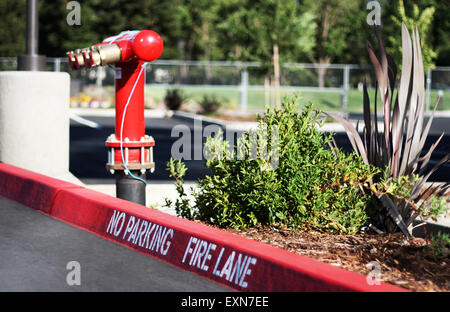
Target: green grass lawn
<point>327,101</point>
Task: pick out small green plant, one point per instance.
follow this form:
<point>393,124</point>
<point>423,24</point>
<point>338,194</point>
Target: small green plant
<point>210,103</point>
<point>439,246</point>
<point>174,98</point>
<point>177,171</point>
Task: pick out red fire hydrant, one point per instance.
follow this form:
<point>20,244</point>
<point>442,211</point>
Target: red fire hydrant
<point>130,150</point>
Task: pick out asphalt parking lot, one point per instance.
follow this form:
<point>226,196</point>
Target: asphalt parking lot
<point>39,253</point>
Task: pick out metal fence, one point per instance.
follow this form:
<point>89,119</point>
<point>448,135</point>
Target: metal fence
<point>338,84</point>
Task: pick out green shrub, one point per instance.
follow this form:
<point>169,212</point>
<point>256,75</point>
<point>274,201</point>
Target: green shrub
<point>439,246</point>
<point>177,171</point>
<point>210,103</point>
<point>309,186</point>
<point>174,98</point>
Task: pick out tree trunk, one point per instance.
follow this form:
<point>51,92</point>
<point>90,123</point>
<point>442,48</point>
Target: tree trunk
<point>266,92</point>
<point>182,70</point>
<point>208,49</point>
<point>321,72</point>
<point>276,64</point>
<point>208,70</point>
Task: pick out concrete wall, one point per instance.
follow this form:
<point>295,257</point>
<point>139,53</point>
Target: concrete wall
<point>34,122</point>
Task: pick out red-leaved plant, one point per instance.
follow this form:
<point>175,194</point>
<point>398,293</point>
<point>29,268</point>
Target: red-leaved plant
<point>397,148</point>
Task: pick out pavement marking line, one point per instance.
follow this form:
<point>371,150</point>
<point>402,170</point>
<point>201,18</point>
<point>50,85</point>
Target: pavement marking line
<point>239,263</point>
<point>84,121</point>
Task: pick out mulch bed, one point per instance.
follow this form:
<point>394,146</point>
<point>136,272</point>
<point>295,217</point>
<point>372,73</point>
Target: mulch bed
<point>404,262</point>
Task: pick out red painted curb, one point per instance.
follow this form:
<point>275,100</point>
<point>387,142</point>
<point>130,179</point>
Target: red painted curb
<point>234,261</point>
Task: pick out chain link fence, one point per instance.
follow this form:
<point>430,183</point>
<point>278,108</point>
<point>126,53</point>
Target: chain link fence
<point>241,85</point>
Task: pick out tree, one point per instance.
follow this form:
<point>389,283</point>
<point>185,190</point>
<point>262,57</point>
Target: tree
<point>195,26</point>
<point>12,27</point>
<point>423,20</point>
<point>304,30</point>
<point>56,36</point>
<point>250,30</point>
<point>257,31</point>
<point>333,19</point>
<point>438,36</point>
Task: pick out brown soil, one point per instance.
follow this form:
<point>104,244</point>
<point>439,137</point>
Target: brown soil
<point>404,262</point>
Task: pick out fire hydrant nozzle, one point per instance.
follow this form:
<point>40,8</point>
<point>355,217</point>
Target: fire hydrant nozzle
<point>130,151</point>
<point>145,45</point>
<point>94,56</point>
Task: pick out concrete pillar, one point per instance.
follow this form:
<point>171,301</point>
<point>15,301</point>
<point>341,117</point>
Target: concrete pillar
<point>34,122</point>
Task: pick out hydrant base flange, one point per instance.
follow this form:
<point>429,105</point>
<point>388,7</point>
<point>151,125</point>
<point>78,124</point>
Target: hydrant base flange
<point>137,155</point>
<point>131,166</point>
